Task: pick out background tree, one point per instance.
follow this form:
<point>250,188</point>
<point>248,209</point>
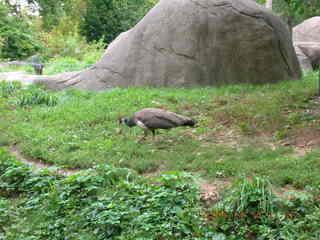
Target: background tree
<point>108,18</point>
<point>51,11</point>
<point>299,10</point>
<point>17,38</point>
<point>294,11</point>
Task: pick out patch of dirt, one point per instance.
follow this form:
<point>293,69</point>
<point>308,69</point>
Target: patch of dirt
<point>234,139</point>
<point>300,152</point>
<point>38,164</point>
<point>210,192</point>
<point>287,192</point>
<point>229,138</point>
<point>307,137</point>
<point>303,141</point>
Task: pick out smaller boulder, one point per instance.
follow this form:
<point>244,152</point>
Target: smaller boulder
<point>306,41</point>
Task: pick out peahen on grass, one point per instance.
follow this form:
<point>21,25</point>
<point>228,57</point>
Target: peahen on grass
<point>151,119</point>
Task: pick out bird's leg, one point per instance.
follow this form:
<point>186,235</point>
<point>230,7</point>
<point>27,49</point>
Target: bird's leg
<point>153,133</point>
<point>146,132</point>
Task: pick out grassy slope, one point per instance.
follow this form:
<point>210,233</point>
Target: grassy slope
<point>239,130</point>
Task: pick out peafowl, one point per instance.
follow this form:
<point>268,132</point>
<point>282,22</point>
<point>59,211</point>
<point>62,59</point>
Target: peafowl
<point>151,119</point>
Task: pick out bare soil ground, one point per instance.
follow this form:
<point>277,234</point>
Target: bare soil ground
<point>37,164</point>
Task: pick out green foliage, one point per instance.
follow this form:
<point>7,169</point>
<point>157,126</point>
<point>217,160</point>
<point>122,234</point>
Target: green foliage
<point>297,10</point>
<point>36,96</point>
<point>82,130</point>
<point>68,64</point>
<point>252,211</point>
<point>107,19</point>
<point>8,88</point>
<point>17,39</point>
<point>250,196</point>
<point>104,203</point>
<point>114,203</point>
<point>2,43</point>
<point>59,44</point>
<point>52,35</point>
<point>261,1</point>
<point>301,10</point>
<point>51,11</point>
<point>27,96</point>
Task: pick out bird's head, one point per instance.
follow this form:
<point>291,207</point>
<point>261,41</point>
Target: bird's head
<point>127,121</point>
<point>123,120</point>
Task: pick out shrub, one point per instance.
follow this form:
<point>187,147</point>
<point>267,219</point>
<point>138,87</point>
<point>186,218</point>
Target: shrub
<point>72,45</point>
<point>105,203</point>
<point>17,39</point>
<point>108,19</point>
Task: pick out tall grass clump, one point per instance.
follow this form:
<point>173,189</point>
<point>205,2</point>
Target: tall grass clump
<point>8,88</point>
<point>251,197</point>
<point>252,211</point>
<point>36,96</point>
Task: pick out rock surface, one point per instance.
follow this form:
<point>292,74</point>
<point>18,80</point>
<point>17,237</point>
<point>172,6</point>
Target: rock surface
<point>306,39</point>
<point>183,43</point>
<point>19,76</point>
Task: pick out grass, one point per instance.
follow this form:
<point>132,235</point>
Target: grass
<point>240,130</point>
<point>63,64</point>
<point>11,68</point>
<point>54,66</point>
<point>248,134</point>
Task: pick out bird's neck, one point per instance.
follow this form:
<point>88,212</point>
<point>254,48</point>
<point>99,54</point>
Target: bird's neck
<point>130,123</point>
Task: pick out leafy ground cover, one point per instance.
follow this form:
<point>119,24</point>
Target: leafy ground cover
<point>104,203</point>
<point>115,203</point>
<point>242,129</point>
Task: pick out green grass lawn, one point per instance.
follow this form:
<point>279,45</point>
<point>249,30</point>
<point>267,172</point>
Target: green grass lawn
<point>241,129</point>
<point>245,134</point>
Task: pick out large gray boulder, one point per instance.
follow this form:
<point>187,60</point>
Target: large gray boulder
<point>182,43</point>
<point>306,39</point>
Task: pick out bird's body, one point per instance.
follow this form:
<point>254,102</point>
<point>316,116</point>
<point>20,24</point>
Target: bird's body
<point>150,119</point>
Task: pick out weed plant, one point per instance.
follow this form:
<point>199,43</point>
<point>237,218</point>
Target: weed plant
<point>8,88</point>
<point>251,211</point>
<point>36,96</point>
